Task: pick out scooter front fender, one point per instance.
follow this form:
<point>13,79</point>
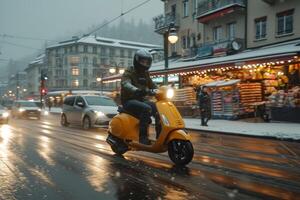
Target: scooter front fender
<point>178,135</point>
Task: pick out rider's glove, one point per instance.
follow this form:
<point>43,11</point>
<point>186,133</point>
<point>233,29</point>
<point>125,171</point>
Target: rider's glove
<point>140,93</point>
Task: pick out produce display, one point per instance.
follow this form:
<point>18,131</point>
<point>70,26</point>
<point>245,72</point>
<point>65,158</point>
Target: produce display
<point>250,93</point>
<point>291,98</point>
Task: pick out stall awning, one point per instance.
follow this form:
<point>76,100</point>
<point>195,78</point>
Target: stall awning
<point>264,54</point>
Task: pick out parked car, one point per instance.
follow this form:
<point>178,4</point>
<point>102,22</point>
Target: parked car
<point>26,109</point>
<point>3,115</point>
<point>88,110</point>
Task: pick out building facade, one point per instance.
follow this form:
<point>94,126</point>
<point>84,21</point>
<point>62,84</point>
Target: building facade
<point>81,63</point>
<point>272,21</point>
<point>189,31</point>
<point>17,86</point>
<point>33,72</point>
<point>223,27</point>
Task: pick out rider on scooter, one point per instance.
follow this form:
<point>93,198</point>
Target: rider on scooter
<point>135,85</point>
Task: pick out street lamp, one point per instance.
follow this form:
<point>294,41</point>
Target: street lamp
<point>99,80</point>
<point>117,70</point>
<point>171,36</point>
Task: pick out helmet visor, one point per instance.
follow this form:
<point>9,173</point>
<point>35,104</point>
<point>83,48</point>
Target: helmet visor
<point>145,62</point>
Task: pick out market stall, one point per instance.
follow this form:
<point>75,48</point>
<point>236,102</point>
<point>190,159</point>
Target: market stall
<point>232,99</point>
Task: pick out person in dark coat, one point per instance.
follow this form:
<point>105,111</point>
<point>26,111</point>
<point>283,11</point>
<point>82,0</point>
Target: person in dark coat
<point>204,105</point>
<point>135,83</point>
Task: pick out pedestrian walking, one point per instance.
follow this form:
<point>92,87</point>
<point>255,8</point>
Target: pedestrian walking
<point>204,105</point>
<point>49,105</point>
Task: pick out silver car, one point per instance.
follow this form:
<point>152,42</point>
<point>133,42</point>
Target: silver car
<point>88,110</point>
<point>3,115</point>
<point>26,109</point>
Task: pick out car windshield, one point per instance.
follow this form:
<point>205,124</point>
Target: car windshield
<point>99,101</point>
<point>28,104</point>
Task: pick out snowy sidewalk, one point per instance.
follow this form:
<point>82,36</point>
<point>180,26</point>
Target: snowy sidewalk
<point>280,130</point>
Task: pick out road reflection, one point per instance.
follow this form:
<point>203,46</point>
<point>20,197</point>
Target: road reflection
<point>6,136</point>
<point>46,149</point>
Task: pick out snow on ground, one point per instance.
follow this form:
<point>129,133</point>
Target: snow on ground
<point>282,130</point>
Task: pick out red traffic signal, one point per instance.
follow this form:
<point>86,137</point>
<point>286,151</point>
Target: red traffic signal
<point>43,91</point>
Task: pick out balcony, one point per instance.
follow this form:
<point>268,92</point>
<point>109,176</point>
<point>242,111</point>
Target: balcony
<point>213,9</point>
<point>221,48</point>
<point>271,2</point>
<point>162,22</point>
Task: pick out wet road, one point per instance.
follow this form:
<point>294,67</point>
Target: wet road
<point>42,160</point>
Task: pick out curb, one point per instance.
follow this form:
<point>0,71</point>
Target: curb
<point>245,135</point>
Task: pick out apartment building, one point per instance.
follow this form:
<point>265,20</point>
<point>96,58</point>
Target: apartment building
<point>222,27</point>
<point>33,72</point>
<point>205,27</point>
<point>80,63</point>
<point>272,21</point>
<point>189,31</point>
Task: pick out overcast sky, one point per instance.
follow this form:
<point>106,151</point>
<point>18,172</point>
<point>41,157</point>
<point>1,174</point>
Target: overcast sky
<point>48,19</point>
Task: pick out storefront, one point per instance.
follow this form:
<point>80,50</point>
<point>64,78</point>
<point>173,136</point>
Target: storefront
<point>267,76</point>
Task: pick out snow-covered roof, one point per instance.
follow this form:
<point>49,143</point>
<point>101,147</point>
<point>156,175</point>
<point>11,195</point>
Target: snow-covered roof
<point>289,48</point>
<point>107,42</point>
<point>38,60</point>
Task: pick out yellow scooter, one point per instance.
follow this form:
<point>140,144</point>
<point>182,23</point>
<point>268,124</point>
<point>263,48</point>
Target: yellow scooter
<point>123,131</point>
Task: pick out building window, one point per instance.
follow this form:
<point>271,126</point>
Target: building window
<point>85,83</point>
<point>85,60</point>
<point>183,42</point>
<point>85,72</point>
<point>231,30</point>
<point>103,51</point>
<point>94,61</point>
<point>285,22</point>
<point>94,49</point>
<point>75,83</point>
<point>122,53</point>
<point>85,48</point>
<point>185,7</point>
<point>217,33</point>
<point>260,28</point>
<point>111,52</point>
<point>75,71</point>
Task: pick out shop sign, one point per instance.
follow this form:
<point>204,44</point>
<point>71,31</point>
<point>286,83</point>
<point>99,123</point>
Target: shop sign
<point>204,51</point>
<point>158,79</point>
<point>173,78</point>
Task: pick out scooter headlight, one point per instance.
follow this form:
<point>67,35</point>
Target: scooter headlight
<point>6,114</point>
<point>21,109</point>
<point>46,112</point>
<point>170,93</point>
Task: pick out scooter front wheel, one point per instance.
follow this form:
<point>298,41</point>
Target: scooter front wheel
<point>181,152</point>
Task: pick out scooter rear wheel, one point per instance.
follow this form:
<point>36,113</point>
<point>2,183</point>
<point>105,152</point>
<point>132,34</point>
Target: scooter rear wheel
<point>117,145</point>
<point>181,152</point>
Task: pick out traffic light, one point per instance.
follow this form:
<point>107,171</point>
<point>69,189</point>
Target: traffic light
<point>44,77</point>
<point>43,91</point>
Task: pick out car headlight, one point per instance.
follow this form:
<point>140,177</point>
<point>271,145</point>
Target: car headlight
<point>98,113</point>
<point>170,93</point>
<point>6,114</point>
<point>21,109</point>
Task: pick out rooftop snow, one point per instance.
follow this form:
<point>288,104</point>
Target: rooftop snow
<point>107,42</point>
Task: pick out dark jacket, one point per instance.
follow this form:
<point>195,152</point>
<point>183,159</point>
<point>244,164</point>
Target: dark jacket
<point>204,101</point>
<point>131,81</point>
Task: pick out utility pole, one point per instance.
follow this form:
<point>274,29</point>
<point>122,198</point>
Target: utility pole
<point>43,89</point>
